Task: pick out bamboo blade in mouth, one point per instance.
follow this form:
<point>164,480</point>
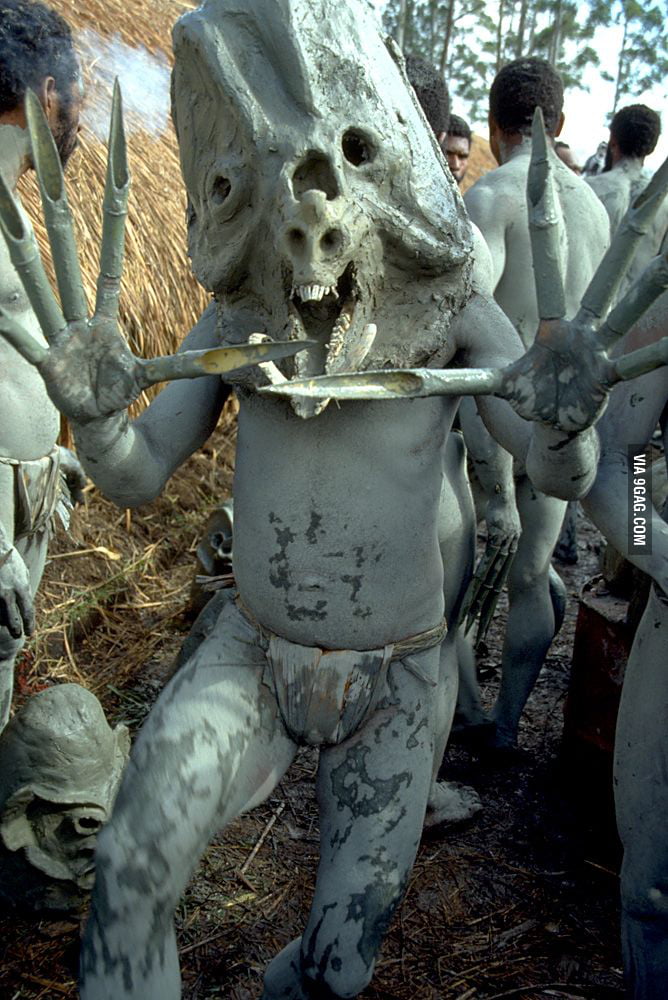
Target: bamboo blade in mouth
<point>393,383</point>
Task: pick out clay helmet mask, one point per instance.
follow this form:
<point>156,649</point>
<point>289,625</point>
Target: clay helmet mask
<point>320,204</point>
<point>60,767</point>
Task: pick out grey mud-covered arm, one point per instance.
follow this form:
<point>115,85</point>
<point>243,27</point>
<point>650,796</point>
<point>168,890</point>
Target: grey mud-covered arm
<point>559,463</point>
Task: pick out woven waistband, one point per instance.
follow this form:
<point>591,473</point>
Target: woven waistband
<point>403,647</point>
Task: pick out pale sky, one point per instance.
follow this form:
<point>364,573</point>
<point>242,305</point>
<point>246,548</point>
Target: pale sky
<point>586,109</point>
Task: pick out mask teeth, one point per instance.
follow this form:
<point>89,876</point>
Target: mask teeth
<point>339,330</point>
<point>296,329</point>
<point>312,293</point>
<point>347,354</point>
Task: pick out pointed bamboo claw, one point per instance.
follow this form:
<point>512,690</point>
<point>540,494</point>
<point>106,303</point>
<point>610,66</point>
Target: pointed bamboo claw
<point>603,286</point>
<point>21,340</point>
<point>545,223</point>
<point>488,605</point>
<point>652,282</point>
<point>217,361</point>
<point>57,215</point>
<point>639,362</point>
<point>25,257</point>
<point>116,193</point>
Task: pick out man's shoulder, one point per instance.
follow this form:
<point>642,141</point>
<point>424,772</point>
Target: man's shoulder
<point>496,189</point>
<point>610,182</point>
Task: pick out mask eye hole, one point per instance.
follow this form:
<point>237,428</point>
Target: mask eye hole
<point>220,190</point>
<point>358,148</point>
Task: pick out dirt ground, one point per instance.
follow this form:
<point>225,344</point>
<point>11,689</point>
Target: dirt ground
<point>521,902</point>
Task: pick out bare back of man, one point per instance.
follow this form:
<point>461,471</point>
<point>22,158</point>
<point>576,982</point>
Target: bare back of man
<point>497,204</point>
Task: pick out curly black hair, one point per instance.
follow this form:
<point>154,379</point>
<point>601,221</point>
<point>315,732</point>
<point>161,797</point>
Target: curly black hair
<point>636,129</point>
<point>518,88</point>
<point>457,126</point>
<point>431,91</point>
<point>35,42</point>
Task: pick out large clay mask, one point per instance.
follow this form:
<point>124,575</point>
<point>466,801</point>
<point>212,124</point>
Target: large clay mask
<point>316,188</point>
<point>60,766</point>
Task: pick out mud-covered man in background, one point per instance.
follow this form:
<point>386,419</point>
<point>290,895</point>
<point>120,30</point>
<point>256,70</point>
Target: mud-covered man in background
<point>36,52</point>
<point>457,147</point>
<point>634,133</point>
<point>497,205</point>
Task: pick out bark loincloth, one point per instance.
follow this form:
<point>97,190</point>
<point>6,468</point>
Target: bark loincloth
<point>325,695</point>
<point>40,493</point>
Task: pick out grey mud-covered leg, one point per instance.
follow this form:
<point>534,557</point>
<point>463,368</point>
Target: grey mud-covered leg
<point>9,651</point>
<point>372,793</point>
<point>212,747</point>
<point>641,801</point>
<point>452,802</point>
<point>33,552</point>
<point>531,617</point>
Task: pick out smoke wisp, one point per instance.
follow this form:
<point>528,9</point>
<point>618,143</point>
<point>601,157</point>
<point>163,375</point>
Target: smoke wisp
<point>143,76</point>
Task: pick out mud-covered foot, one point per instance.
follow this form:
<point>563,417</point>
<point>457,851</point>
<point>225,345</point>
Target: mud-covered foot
<point>502,757</point>
<point>472,734</point>
<point>283,978</point>
<point>451,802</point>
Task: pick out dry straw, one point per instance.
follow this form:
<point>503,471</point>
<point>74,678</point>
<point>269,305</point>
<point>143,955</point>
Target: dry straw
<point>160,299</point>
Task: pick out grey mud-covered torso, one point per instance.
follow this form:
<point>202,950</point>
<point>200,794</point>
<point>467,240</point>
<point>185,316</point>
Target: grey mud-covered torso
<point>336,539</point>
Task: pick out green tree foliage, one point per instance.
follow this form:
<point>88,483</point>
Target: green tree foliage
<point>470,40</point>
<point>642,61</point>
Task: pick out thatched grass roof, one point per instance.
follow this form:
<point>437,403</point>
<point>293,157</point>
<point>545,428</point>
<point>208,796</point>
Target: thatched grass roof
<point>160,298</point>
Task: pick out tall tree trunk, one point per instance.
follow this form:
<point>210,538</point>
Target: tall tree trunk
<point>531,31</point>
<point>555,40</point>
<point>401,24</point>
<point>447,34</point>
<point>521,28</point>
<point>433,11</point>
<point>499,36</point>
<point>620,65</point>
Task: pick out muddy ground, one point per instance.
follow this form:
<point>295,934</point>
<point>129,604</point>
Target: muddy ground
<point>521,902</point>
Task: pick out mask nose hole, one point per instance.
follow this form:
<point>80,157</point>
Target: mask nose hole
<point>315,173</point>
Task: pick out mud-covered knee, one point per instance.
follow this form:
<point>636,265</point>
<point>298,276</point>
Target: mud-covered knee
<point>9,648</point>
<point>644,896</point>
<point>338,980</point>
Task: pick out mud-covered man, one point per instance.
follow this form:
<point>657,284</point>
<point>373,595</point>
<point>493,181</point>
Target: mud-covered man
<point>457,147</point>
<point>321,209</point>
<point>634,133</point>
<point>36,52</point>
<point>641,741</point>
<point>497,204</point>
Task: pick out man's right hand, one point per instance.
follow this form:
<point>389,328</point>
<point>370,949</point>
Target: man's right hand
<point>17,612</point>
